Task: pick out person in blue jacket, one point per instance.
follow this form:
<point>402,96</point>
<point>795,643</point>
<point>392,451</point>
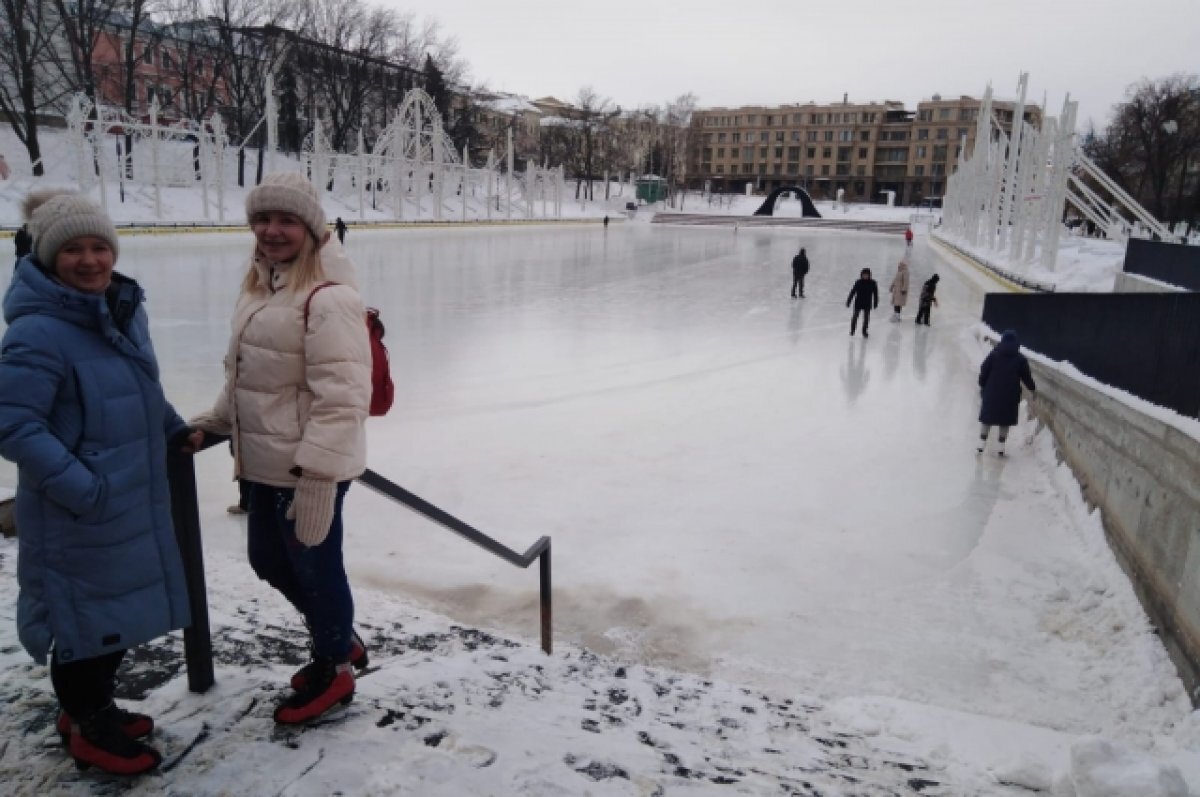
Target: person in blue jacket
<point>83,416</point>
<point>1001,375</point>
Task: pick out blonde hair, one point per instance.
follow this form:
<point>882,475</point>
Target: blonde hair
<point>307,269</point>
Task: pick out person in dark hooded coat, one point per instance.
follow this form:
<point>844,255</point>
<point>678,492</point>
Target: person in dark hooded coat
<point>865,296</point>
<point>799,271</point>
<point>1001,375</point>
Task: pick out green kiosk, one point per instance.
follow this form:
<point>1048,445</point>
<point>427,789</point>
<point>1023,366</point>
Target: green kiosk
<point>651,189</point>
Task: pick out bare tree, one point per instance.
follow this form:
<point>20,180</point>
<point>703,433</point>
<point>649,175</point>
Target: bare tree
<point>594,115</point>
<point>28,85</point>
<point>84,25</point>
<point>1147,147</point>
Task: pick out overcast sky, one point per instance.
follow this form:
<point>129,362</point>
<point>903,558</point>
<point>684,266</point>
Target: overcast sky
<point>727,52</point>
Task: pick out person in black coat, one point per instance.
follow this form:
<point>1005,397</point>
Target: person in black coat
<point>23,241</point>
<point>340,228</point>
<point>1001,375</point>
<point>927,299</point>
<point>799,270</point>
<point>865,295</point>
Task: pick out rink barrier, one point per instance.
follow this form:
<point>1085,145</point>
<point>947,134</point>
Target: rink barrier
<point>185,513</point>
<point>1170,263</point>
<point>1142,469</point>
<point>170,228</point>
<point>1008,276</point>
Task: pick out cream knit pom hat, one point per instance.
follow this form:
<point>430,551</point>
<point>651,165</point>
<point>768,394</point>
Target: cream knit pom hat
<point>288,192</point>
<point>56,216</point>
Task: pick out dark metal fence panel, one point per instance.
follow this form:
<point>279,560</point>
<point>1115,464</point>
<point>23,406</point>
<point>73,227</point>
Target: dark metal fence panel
<point>1174,264</point>
<point>1147,344</point>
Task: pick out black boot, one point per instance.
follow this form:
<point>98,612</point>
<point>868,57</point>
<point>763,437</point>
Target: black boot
<point>101,741</point>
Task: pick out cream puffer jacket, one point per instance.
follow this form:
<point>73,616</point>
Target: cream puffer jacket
<point>291,398</point>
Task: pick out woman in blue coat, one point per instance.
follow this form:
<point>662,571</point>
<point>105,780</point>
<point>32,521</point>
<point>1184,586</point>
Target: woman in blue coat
<point>83,416</point>
<point>1001,375</point>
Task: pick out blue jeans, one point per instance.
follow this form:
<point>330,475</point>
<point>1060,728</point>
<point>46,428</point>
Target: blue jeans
<point>312,579</point>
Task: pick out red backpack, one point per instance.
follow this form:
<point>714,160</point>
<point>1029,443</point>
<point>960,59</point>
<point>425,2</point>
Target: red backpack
<point>382,389</point>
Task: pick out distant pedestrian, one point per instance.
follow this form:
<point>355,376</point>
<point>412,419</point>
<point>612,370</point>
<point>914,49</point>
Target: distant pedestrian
<point>1001,375</point>
<point>339,227</point>
<point>606,222</point>
<point>23,241</point>
<point>927,299</point>
<point>5,171</point>
<point>899,289</point>
<point>865,295</point>
<point>908,237</point>
<point>799,271</point>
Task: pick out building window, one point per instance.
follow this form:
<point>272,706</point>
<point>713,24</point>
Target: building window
<point>935,188</point>
<point>923,134</point>
<point>736,138</point>
<point>846,135</point>
<point>808,170</point>
<point>752,119</point>
<point>779,153</point>
<point>962,131</point>
<point>843,153</point>
<point>795,135</point>
<point>797,118</point>
<point>860,171</point>
<point>922,151</point>
<point>747,153</point>
<point>939,153</point>
<point>720,152</point>
<point>924,115</point>
<point>826,152</point>
<point>810,153</point>
<point>825,170</point>
<point>733,169</point>
<point>779,137</point>
<point>919,171</point>
<point>812,135</point>
<point>147,56</point>
<point>793,154</point>
<point>865,135</point>
<point>843,168</point>
<point>706,167</point>
<point>862,152</point>
<point>943,113</point>
<point>939,168</point>
<point>778,168</point>
<point>166,60</point>
<point>762,153</point>
<point>793,168</point>
<point>829,135</point>
<point>942,134</point>
<point>720,138</point>
<point>770,121</point>
<point>707,153</point>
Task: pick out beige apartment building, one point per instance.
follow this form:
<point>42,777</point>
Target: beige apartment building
<point>864,149</point>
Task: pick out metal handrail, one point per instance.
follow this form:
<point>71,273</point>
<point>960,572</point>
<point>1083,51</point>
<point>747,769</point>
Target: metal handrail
<point>185,513</point>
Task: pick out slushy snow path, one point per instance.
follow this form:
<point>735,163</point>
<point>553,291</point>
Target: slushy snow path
<point>736,490</point>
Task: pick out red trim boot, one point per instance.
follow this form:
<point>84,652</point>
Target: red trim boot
<point>100,741</point>
<point>327,685</point>
<point>358,658</point>
<point>133,725</point>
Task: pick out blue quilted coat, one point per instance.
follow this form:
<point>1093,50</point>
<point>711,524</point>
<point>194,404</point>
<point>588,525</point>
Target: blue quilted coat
<point>83,416</point>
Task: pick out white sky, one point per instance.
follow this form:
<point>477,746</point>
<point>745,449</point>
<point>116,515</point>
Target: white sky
<point>778,51</point>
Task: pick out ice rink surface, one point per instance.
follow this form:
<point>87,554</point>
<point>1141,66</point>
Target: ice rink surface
<point>733,484</point>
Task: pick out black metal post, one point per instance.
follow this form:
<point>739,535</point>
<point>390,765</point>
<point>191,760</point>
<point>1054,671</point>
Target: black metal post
<point>185,513</point>
<point>547,608</point>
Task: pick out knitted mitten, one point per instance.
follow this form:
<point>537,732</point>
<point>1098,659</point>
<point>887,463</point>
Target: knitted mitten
<point>312,509</point>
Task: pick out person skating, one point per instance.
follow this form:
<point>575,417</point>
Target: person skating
<point>865,295</point>
<point>23,241</point>
<point>899,290</point>
<point>799,272</point>
<point>83,416</point>
<point>340,228</point>
<point>927,299</point>
<point>296,398</point>
<point>1001,375</point>
<point>908,238</point>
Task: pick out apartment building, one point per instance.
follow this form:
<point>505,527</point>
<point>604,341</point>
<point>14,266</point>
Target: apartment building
<point>863,149</point>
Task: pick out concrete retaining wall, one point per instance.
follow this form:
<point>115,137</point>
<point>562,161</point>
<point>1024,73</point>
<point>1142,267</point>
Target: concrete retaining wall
<point>1132,283</point>
<point>1144,474</point>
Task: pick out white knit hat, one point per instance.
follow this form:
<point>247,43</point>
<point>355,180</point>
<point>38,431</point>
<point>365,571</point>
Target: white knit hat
<point>56,216</point>
<point>288,192</point>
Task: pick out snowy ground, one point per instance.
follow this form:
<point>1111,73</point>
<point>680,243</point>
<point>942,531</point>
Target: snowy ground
<point>779,565</point>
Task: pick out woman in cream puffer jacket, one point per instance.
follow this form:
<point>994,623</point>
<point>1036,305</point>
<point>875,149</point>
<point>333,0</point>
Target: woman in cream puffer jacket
<point>296,397</point>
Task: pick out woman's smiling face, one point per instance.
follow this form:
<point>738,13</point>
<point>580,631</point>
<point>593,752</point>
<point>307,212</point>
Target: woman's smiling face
<point>85,264</point>
<point>279,235</point>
